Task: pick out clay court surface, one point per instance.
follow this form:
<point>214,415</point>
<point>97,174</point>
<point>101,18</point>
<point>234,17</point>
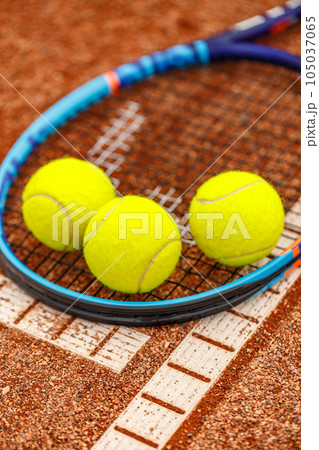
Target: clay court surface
<point>81,384</point>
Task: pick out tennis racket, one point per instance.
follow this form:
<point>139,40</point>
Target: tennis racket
<point>236,105</point>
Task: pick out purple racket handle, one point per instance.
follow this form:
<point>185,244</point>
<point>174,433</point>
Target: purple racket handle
<point>272,22</point>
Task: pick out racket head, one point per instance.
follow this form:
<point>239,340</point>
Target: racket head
<point>155,139</point>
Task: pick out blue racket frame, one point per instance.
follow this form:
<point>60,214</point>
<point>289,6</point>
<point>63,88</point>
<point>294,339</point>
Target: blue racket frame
<point>229,45</point>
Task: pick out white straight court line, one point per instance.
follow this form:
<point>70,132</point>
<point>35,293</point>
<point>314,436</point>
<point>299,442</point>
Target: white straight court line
<point>118,136</point>
<point>146,423</point>
<point>79,336</point>
<point>159,409</point>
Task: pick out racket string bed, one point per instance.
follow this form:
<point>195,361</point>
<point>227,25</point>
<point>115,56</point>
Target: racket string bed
<point>150,145</point>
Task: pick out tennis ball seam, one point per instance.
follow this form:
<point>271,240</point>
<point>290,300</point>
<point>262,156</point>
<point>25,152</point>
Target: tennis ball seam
<point>151,262</point>
<point>208,202</point>
<point>102,222</point>
<point>248,254</point>
<point>62,208</point>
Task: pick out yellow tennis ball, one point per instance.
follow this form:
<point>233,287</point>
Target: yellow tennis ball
<point>236,217</point>
<point>132,245</point>
<point>61,197</point>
